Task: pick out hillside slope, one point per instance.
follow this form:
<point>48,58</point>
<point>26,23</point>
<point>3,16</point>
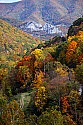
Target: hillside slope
<point>47,83</point>
<point>14,43</point>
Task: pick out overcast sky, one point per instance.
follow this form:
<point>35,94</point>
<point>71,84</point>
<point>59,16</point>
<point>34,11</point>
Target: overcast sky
<point>8,1</point>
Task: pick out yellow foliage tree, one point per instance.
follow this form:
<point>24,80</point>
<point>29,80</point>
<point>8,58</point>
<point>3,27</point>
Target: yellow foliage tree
<point>38,54</point>
<point>38,80</point>
<point>41,98</point>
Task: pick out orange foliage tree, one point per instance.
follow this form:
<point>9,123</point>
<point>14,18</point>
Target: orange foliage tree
<point>65,104</point>
<point>71,49</point>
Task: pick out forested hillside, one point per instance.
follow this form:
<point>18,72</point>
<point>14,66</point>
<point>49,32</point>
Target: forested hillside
<point>44,87</point>
<point>14,43</point>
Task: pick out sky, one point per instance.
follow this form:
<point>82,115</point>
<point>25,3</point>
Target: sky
<point>8,1</point>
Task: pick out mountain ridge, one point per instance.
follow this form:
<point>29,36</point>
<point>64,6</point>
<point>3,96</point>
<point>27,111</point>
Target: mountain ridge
<point>54,12</point>
<point>25,10</point>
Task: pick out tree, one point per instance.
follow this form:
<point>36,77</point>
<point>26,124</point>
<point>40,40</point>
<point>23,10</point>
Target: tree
<point>13,114</point>
<point>41,98</point>
<point>23,76</point>
<point>68,120</point>
<point>38,54</point>
<point>79,73</point>
<point>65,104</point>
<point>74,101</point>
<point>71,49</point>
<point>38,80</point>
<point>5,86</point>
<point>3,102</point>
<point>50,117</point>
<point>39,58</point>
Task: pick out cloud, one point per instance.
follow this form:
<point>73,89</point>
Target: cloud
<point>8,1</point>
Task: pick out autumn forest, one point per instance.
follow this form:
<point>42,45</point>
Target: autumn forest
<point>41,82</point>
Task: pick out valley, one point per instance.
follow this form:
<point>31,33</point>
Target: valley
<point>41,62</point>
<point>41,81</point>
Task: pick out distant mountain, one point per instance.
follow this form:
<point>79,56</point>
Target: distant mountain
<point>54,12</point>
